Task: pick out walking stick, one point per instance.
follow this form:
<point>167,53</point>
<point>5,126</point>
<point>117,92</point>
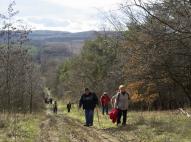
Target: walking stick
<point>98,117</point>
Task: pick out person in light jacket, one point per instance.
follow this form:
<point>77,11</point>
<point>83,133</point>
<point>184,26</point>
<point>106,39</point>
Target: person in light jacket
<point>122,103</point>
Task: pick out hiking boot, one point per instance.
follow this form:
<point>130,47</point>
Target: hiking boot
<point>124,124</point>
<point>86,125</point>
<point>90,124</point>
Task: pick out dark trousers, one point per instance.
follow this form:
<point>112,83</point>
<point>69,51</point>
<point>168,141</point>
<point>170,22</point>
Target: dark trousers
<point>104,109</point>
<point>89,114</point>
<point>55,109</point>
<point>124,114</point>
<point>68,109</point>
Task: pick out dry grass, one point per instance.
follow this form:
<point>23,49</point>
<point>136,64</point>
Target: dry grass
<point>19,128</point>
<point>155,126</point>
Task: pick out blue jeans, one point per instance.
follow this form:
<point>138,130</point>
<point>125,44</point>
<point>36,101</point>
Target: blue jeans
<point>89,114</point>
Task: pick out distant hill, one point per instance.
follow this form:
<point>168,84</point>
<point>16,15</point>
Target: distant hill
<point>64,43</point>
<point>58,45</point>
<point>51,48</point>
<point>59,36</point>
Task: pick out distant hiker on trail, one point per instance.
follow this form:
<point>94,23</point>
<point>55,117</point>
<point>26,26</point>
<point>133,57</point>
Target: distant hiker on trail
<point>69,105</point>
<point>105,99</point>
<point>113,99</point>
<point>55,107</point>
<point>122,102</point>
<point>50,100</point>
<point>46,100</point>
<point>89,101</point>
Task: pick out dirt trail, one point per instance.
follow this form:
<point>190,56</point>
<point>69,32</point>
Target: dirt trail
<point>60,128</point>
<point>49,131</point>
<point>86,134</point>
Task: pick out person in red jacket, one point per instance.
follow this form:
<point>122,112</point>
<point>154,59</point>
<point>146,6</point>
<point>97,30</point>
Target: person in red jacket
<point>105,100</point>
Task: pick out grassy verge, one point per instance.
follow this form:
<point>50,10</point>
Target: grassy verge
<point>166,126</point>
<point>20,128</point>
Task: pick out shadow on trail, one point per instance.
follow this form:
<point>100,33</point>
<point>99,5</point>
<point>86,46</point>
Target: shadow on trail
<point>128,127</point>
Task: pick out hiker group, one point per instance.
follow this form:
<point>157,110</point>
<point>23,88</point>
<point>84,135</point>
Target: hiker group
<point>53,103</point>
<point>89,100</point>
<point>48,99</point>
<point>119,103</point>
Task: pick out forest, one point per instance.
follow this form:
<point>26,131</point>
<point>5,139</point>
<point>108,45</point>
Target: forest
<point>152,57</point>
<point>19,78</point>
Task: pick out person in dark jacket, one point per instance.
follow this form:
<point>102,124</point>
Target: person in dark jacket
<point>50,100</point>
<point>55,107</point>
<point>46,100</point>
<point>69,105</point>
<point>89,101</point>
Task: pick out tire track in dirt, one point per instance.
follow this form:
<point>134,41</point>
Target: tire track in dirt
<point>48,130</point>
<point>85,134</point>
<point>60,128</point>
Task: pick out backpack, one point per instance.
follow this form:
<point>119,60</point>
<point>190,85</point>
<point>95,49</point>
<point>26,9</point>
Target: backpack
<point>118,96</point>
<point>117,99</point>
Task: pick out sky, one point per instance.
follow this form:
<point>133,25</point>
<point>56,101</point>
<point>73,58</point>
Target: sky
<point>63,15</point>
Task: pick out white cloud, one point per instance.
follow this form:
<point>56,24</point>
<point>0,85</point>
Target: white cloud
<point>65,15</point>
<point>81,4</point>
<point>72,25</point>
